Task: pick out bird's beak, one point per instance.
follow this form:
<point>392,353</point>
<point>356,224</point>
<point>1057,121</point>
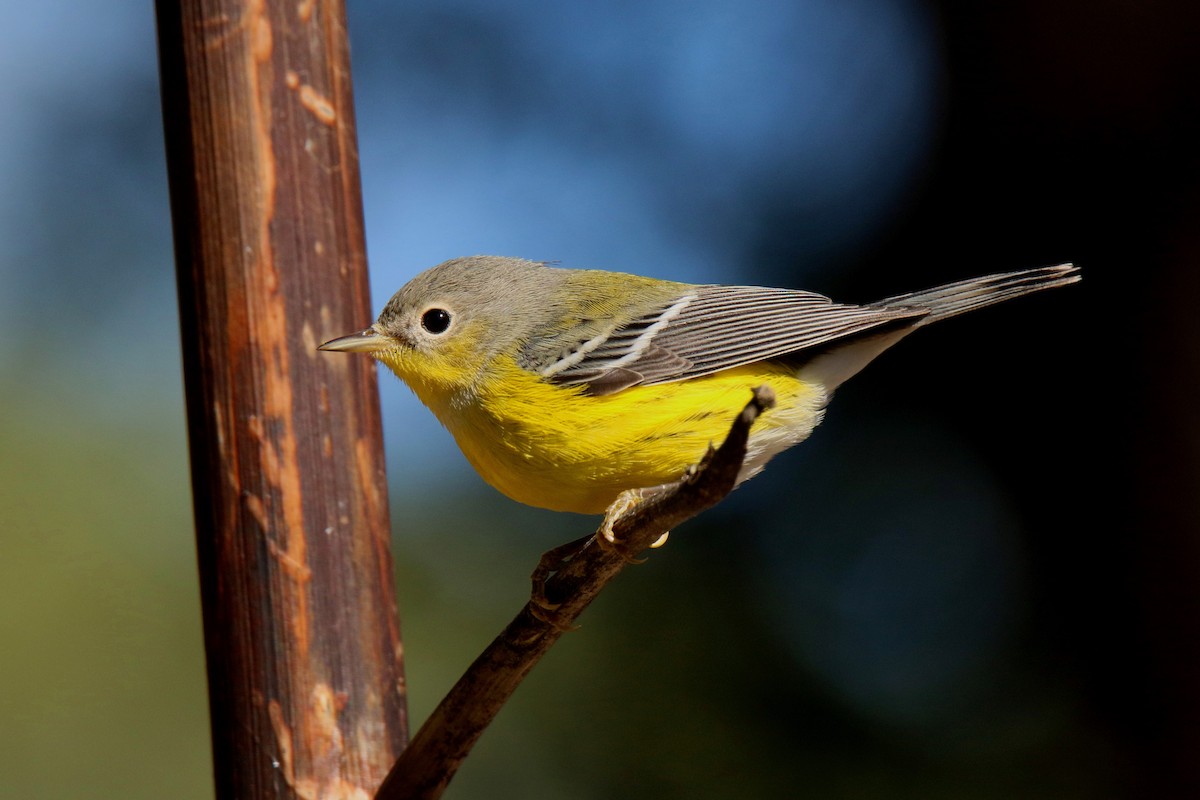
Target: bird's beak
<point>365,341</point>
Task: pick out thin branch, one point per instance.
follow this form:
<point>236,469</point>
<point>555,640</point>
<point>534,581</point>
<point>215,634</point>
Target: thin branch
<point>429,762</point>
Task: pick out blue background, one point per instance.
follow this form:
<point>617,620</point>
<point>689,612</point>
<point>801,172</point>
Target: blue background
<point>977,580</point>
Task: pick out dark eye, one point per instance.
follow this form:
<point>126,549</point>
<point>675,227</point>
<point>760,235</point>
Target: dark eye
<point>436,320</point>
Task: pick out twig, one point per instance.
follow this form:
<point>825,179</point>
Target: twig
<point>429,762</point>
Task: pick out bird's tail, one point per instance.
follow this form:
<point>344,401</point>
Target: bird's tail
<point>842,361</point>
<point>962,296</point>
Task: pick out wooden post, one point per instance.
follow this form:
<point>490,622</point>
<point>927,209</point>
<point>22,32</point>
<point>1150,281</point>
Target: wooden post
<point>304,660</point>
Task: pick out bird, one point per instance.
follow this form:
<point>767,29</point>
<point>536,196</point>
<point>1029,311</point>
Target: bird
<point>565,388</point>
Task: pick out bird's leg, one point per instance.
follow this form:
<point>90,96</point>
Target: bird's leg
<point>606,537</point>
<point>626,502</point>
<point>541,606</point>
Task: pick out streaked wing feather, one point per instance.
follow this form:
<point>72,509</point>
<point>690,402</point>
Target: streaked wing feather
<point>717,328</point>
<point>611,381</point>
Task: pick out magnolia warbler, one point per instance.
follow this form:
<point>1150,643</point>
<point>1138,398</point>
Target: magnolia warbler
<point>566,387</point>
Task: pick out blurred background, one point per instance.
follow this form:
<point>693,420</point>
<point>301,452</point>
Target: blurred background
<point>979,579</point>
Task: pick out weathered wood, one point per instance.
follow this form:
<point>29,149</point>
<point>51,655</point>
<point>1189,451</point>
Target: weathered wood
<point>304,659</point>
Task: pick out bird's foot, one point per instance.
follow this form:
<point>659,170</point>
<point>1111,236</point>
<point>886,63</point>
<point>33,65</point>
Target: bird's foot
<point>606,536</point>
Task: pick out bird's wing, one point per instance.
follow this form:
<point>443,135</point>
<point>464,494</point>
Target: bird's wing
<point>708,329</point>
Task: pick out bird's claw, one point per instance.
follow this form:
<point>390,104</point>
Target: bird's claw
<point>606,536</point>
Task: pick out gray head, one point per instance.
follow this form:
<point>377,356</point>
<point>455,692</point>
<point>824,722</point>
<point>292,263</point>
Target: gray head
<point>461,297</point>
<point>500,293</point>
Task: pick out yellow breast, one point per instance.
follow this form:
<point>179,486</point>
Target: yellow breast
<point>557,448</point>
